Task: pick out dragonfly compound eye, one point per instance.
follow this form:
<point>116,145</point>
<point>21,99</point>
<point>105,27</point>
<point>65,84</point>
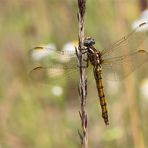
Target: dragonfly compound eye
<point>89,42</point>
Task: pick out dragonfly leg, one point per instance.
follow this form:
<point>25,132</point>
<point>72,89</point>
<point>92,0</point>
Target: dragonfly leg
<point>84,52</point>
<point>86,65</point>
<point>87,62</point>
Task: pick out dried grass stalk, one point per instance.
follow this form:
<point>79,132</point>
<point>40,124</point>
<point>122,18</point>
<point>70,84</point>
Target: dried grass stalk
<point>83,80</point>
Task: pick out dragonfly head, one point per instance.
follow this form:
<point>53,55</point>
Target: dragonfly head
<point>88,42</point>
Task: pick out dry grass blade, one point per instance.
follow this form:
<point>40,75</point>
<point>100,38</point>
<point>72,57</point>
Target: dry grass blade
<point>83,81</point>
<point>82,5</point>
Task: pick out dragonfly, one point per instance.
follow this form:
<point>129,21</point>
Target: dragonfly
<point>113,63</point>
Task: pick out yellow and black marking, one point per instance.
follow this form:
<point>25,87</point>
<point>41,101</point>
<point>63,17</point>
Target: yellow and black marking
<point>98,78</point>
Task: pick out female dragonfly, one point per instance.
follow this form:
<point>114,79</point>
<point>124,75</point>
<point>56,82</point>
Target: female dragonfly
<point>113,63</point>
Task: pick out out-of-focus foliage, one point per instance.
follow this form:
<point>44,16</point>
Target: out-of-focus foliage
<point>37,115</point>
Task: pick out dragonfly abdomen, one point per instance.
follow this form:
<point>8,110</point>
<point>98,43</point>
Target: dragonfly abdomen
<point>100,88</point>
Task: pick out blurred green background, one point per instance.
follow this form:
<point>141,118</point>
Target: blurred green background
<point>34,115</point>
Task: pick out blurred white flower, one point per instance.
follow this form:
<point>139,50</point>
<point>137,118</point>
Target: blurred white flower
<point>69,48</point>
<point>40,52</point>
<point>144,15</point>
<point>144,88</point>
<point>68,51</point>
<point>143,19</point>
<point>57,90</point>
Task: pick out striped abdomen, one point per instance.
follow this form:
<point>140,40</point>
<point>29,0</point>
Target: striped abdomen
<point>98,78</point>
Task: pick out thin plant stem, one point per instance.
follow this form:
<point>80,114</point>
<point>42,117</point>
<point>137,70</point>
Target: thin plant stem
<point>83,80</point>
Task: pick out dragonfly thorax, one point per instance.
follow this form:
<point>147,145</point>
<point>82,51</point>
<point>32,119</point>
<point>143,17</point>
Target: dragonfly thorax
<point>94,57</point>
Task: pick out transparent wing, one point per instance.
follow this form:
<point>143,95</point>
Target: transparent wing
<point>131,41</point>
<point>44,74</point>
<point>40,53</point>
<point>117,68</point>
<point>45,71</point>
<point>49,63</point>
